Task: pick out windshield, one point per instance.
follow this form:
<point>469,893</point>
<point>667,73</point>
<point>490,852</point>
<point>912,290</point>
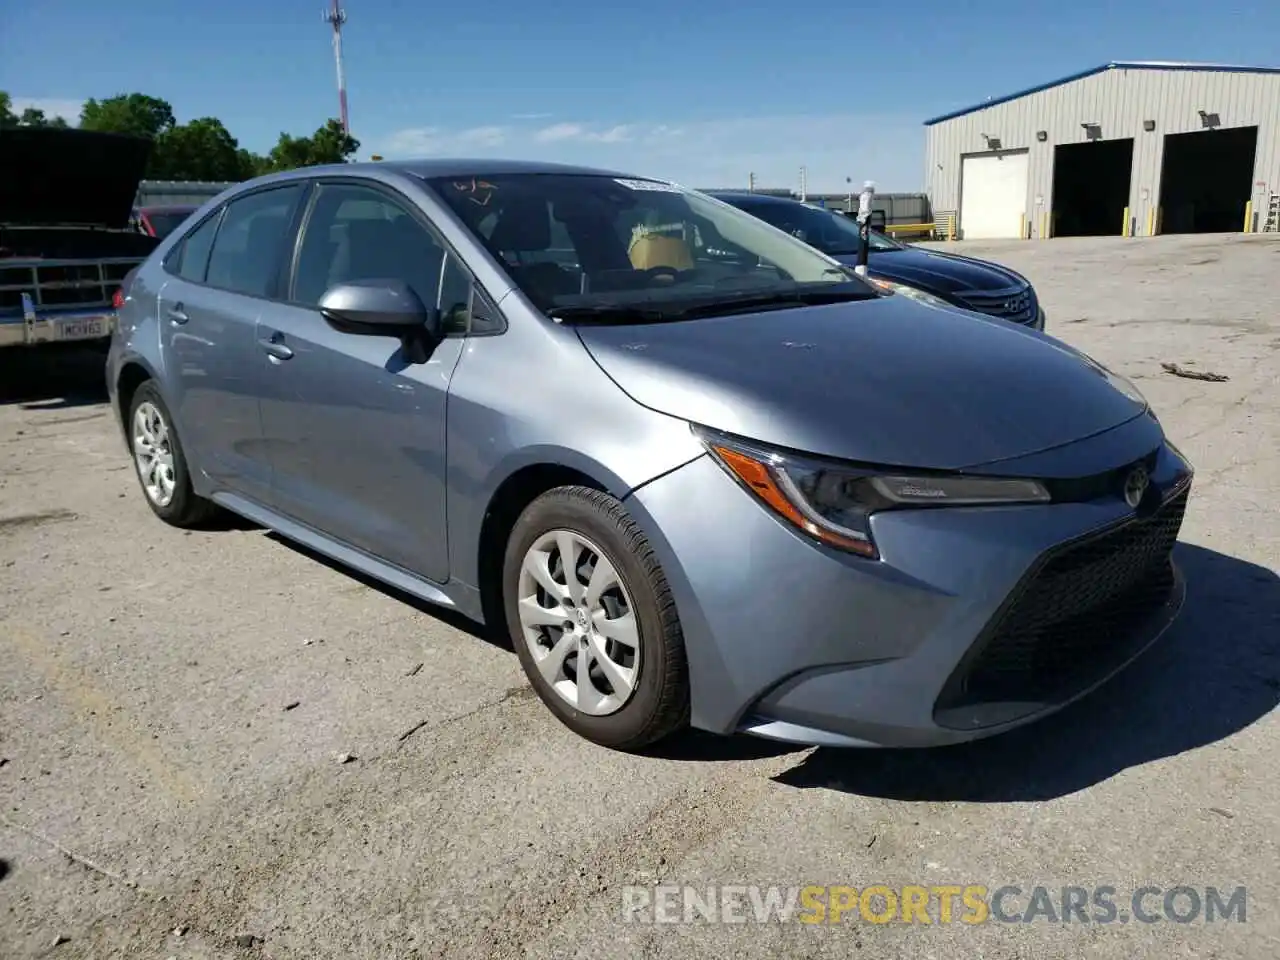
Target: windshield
<point>830,232</point>
<point>643,249</point>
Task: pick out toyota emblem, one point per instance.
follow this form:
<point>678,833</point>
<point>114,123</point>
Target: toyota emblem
<point>1135,486</point>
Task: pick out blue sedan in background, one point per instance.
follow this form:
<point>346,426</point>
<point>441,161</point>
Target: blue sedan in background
<point>926,275</point>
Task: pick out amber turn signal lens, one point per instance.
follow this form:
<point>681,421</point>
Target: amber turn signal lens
<point>759,479</point>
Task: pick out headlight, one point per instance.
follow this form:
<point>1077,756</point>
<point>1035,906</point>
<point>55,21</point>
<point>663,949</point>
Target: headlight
<point>833,503</point>
<point>913,293</point>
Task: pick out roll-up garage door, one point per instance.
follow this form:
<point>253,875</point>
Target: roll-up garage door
<point>993,195</point>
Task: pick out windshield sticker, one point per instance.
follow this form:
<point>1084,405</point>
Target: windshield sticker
<point>656,186</point>
<point>478,191</point>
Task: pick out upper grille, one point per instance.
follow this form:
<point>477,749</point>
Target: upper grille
<point>63,283</point>
<point>1075,616</point>
<point>1016,303</point>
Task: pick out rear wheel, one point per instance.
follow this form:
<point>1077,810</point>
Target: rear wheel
<point>160,463</point>
<point>593,622</point>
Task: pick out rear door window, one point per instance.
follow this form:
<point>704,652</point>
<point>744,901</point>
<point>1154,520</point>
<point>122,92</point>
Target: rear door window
<point>247,251</point>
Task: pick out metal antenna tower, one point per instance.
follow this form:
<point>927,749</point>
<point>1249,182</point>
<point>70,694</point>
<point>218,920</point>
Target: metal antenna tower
<point>336,17</point>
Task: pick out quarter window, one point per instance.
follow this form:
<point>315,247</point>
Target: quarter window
<point>193,257</point>
<point>456,293</point>
<point>246,252</point>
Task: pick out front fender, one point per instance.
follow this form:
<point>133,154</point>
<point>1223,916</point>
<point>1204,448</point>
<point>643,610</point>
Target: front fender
<point>620,467</point>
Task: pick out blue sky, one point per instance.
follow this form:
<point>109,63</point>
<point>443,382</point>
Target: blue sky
<point>703,93</point>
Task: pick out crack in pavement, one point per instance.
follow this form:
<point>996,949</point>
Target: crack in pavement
<point>523,692</point>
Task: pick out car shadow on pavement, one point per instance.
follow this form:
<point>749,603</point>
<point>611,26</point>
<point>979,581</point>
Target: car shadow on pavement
<point>53,377</point>
<point>692,745</point>
<point>1214,673</point>
<point>450,617</point>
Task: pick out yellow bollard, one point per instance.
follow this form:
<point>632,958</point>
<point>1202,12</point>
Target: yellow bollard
<point>1248,217</point>
<point>1125,230</point>
<point>1151,222</point>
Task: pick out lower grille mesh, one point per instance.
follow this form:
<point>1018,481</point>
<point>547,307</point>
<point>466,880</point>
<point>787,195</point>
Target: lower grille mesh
<point>1075,617</point>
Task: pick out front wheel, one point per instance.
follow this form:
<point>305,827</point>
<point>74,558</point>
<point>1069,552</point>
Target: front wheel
<point>160,463</point>
<point>593,621</point>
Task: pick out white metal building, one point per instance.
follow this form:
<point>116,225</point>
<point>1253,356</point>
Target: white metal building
<point>1132,148</point>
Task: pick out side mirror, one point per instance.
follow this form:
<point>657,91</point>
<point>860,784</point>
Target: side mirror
<point>386,308</point>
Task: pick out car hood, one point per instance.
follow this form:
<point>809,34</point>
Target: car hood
<point>54,177</point>
<point>886,381</point>
<point>940,273</point>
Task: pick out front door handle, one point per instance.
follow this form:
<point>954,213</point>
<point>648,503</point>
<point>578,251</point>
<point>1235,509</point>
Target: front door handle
<point>275,346</point>
<point>177,314</point>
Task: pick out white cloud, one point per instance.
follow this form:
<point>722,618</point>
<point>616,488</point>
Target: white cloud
<point>703,153</point>
<point>530,116</point>
<point>560,131</point>
<point>436,141</point>
<point>619,133</point>
<point>69,110</point>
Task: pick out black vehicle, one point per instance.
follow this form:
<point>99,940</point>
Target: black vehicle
<point>976,285</point>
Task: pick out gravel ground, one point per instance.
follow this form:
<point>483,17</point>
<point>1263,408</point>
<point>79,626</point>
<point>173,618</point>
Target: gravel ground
<point>173,707</point>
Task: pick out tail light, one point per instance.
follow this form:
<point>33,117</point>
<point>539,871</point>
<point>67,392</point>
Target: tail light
<point>117,298</point>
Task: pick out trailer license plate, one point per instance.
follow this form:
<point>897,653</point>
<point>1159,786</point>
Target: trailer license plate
<point>83,329</point>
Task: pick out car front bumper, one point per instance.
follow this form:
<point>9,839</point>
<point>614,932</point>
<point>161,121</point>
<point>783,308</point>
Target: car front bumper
<point>975,620</point>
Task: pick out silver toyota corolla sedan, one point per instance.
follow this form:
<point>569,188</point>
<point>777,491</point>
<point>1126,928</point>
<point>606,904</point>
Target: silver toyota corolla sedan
<point>697,470</point>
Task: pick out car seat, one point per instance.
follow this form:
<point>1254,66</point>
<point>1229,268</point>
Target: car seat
<point>523,227</point>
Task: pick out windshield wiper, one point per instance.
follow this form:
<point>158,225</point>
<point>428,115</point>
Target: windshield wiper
<point>722,306</point>
<point>606,313</point>
<point>780,299</point>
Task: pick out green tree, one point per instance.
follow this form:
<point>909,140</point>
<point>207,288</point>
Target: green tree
<point>329,144</point>
<point>252,164</point>
<point>30,117</point>
<point>200,150</point>
<point>133,113</point>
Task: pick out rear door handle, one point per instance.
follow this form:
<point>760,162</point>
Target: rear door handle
<point>275,346</point>
<point>177,314</point>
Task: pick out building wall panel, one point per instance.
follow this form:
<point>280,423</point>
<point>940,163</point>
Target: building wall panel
<point>1119,99</point>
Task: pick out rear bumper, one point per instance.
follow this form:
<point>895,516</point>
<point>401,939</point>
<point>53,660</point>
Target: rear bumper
<point>65,326</point>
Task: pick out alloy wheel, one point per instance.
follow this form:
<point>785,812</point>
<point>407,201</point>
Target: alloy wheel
<point>153,453</point>
<point>577,618</point>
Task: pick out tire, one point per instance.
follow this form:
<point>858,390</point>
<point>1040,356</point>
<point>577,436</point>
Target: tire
<point>598,526</point>
<point>181,507</point>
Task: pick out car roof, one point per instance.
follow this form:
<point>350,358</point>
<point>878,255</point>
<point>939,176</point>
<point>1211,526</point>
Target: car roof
<point>464,167</point>
<point>425,170</point>
<point>168,207</point>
